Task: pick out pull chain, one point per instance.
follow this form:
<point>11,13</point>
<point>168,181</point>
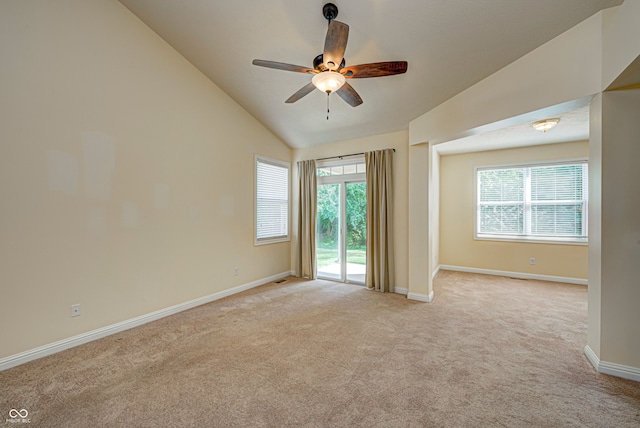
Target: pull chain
<point>328,104</point>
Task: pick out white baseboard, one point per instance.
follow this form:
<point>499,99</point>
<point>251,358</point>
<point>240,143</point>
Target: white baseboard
<point>399,290</point>
<point>520,275</point>
<point>428,298</point>
<point>618,370</point>
<point>61,345</point>
<point>435,272</point>
<point>592,357</point>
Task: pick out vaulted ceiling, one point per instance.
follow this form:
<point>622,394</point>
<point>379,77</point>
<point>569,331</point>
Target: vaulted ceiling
<point>449,45</point>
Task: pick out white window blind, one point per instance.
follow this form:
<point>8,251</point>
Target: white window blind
<point>540,202</point>
<point>501,205</point>
<point>272,200</point>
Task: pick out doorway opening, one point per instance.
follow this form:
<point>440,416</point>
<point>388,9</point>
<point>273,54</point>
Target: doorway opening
<point>341,231</point>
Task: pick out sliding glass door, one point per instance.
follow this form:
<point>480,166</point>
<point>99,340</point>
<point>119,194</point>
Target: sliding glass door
<point>328,232</point>
<point>355,240</point>
<point>341,234</point>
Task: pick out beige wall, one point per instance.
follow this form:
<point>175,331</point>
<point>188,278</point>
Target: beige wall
<point>420,222</point>
<point>126,176</point>
<point>560,71</point>
<point>398,141</point>
<point>620,229</point>
<point>457,246</point>
<point>620,35</point>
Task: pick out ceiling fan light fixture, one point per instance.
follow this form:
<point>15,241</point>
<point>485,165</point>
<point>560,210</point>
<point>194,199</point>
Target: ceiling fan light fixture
<point>329,67</point>
<point>545,125</point>
<point>328,81</point>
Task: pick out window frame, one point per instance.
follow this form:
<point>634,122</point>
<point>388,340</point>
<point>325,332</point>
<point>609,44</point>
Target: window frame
<point>342,180</point>
<point>280,238</point>
<point>527,205</point>
<point>338,178</point>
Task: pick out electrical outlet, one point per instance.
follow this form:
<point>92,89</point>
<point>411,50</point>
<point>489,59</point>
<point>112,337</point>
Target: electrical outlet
<point>532,261</point>
<point>75,310</point>
<point>235,271</point>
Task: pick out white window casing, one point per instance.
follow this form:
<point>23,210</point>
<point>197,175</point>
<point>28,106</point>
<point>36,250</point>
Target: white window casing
<point>545,202</point>
<point>271,201</point>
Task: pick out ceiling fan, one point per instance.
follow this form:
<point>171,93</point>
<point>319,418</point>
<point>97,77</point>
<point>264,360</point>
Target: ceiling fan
<point>329,69</point>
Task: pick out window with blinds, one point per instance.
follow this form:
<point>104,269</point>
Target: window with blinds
<point>536,202</point>
<point>272,201</point>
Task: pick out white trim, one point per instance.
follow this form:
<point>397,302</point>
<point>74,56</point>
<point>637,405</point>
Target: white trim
<point>533,164</point>
<point>592,357</point>
<point>283,164</point>
<point>61,345</point>
<point>520,275</point>
<point>531,239</point>
<point>267,241</point>
<point>435,272</point>
<point>613,369</point>
<point>342,178</point>
<point>528,238</point>
<point>352,160</point>
<point>625,372</point>
<point>400,290</point>
<point>428,298</point>
<point>342,181</point>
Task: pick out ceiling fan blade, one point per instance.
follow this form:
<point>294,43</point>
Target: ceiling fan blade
<point>375,69</point>
<point>335,44</point>
<point>307,89</point>
<point>283,66</point>
<point>350,95</point>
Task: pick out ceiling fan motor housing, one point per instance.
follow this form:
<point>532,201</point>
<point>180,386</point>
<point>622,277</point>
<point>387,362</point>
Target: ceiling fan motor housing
<point>318,63</point>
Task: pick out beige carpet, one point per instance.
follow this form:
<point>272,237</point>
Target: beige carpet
<point>488,352</point>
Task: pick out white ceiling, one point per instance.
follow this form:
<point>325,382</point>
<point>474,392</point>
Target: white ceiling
<point>573,126</point>
<point>449,44</point>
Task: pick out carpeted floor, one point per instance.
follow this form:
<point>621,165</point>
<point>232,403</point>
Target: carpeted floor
<point>488,352</point>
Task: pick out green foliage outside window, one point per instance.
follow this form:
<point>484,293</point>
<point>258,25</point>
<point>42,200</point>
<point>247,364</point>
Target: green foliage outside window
<point>356,212</point>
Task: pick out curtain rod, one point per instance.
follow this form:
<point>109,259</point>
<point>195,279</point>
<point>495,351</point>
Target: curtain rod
<point>345,156</point>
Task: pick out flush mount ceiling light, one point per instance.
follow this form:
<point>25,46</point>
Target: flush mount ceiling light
<point>328,81</point>
<point>545,125</point>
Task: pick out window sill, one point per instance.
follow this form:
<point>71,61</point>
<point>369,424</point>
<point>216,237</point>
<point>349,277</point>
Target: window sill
<point>533,240</point>
<point>257,243</point>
